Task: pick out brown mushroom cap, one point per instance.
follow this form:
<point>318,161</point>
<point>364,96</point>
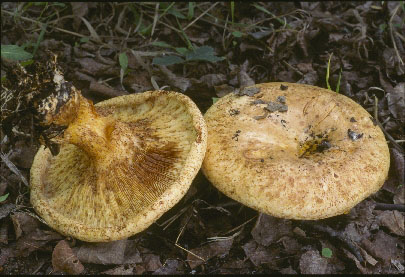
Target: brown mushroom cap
<point>294,151</point>
<point>116,179</point>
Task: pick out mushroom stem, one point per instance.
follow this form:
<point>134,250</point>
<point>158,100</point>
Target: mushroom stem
<point>94,133</point>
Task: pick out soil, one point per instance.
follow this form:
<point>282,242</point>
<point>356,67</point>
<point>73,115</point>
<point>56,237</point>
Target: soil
<point>355,48</point>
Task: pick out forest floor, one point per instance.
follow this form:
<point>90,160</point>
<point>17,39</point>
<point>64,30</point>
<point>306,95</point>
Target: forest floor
<point>205,50</point>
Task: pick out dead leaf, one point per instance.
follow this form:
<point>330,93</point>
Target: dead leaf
<point>132,255</point>
<point>208,251</point>
<point>4,232</point>
<point>368,257</point>
<point>291,245</point>
<point>84,77</point>
<point>386,85</point>
<point>396,102</point>
<point>358,264</point>
<point>126,269</point>
<point>393,220</point>
<point>93,68</point>
<point>352,233</point>
<point>335,265</point>
<point>151,262</point>
<point>383,247</point>
<point>302,42</point>
<point>139,269</point>
<point>311,262</point>
<point>399,197</point>
<point>257,253</point>
<point>243,77</point>
<point>398,266</point>
<point>179,82</point>
<point>335,37</point>
<point>305,67</point>
<point>311,78</point>
<point>35,240</point>
<point>363,213</point>
<point>211,80</point>
<point>223,90</point>
<point>78,9</point>
<point>288,271</point>
<point>13,168</point>
<point>398,164</point>
<point>93,32</point>
<point>236,264</point>
<point>117,252</point>
<point>269,229</point>
<point>388,58</point>
<point>102,252</point>
<point>23,223</point>
<point>23,155</point>
<point>200,39</point>
<point>170,267</point>
<point>3,188</point>
<point>5,254</point>
<point>103,90</point>
<point>286,76</point>
<point>6,209</point>
<point>138,81</point>
<point>299,232</point>
<point>243,46</point>
<point>63,259</point>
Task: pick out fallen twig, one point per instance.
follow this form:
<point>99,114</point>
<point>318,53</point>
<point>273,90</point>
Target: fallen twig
<point>392,34</point>
<point>13,168</point>
<point>386,206</point>
<point>337,235</point>
<point>390,138</point>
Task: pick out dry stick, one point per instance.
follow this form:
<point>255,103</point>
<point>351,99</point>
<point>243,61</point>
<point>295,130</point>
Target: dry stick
<point>293,68</point>
<point>386,207</point>
<point>223,33</point>
<point>119,21</point>
<point>390,138</point>
<point>240,226</point>
<point>401,37</point>
<point>337,235</point>
<point>201,15</point>
<point>13,168</point>
<point>165,24</point>
<point>155,18</point>
<point>93,32</point>
<point>178,237</point>
<point>392,35</point>
<point>56,28</point>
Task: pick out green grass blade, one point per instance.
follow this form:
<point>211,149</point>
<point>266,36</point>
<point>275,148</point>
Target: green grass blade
<point>40,37</point>
<point>338,83</point>
<point>327,72</point>
<point>3,197</point>
<point>233,11</point>
<point>189,45</point>
<point>191,6</point>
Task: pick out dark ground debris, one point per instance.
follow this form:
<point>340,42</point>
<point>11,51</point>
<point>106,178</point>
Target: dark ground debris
<point>257,42</point>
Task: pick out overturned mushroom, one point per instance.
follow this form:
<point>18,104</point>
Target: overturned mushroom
<point>122,162</point>
<point>307,159</point>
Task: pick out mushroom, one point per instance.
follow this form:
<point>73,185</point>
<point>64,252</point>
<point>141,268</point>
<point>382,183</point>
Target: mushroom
<point>294,151</point>
<point>122,163</point>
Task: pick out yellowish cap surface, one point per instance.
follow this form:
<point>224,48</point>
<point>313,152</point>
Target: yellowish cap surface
<point>294,151</point>
<point>144,157</point>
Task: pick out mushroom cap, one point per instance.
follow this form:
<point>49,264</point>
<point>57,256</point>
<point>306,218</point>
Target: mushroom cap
<point>294,151</point>
<point>122,196</point>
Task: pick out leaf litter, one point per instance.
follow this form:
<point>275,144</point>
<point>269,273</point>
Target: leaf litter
<point>265,42</point>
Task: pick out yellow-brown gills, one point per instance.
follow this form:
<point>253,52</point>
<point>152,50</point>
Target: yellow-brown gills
<point>122,164</point>
<point>294,151</point>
